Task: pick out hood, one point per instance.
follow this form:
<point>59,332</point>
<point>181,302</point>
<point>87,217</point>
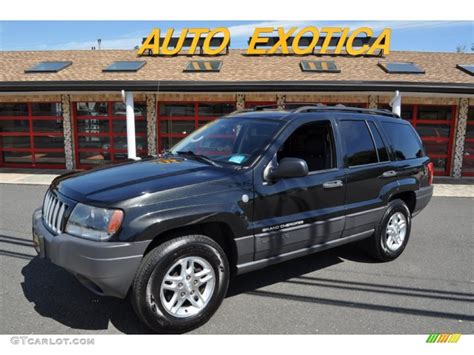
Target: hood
<point>126,180</point>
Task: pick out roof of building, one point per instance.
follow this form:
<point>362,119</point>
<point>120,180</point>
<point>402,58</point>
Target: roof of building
<point>238,72</point>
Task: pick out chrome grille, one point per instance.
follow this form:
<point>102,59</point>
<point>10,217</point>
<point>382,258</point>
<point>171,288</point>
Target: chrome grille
<point>53,212</point>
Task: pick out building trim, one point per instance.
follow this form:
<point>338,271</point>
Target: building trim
<point>232,86</point>
<point>460,137</point>
<point>151,123</point>
<point>67,129</point>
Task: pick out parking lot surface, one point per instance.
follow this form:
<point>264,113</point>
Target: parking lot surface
<point>429,289</point>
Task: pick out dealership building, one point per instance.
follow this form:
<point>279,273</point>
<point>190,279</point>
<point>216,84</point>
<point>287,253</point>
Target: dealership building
<point>64,109</point>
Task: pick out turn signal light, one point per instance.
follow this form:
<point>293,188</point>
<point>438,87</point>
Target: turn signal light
<point>115,222</point>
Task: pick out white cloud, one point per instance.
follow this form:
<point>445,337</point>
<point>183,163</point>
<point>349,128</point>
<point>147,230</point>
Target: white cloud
<point>247,29</point>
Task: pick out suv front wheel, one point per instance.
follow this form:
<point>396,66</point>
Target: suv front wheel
<point>392,234</point>
<point>180,284</point>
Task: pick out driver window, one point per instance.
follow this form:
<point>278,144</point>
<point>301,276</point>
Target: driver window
<point>312,142</point>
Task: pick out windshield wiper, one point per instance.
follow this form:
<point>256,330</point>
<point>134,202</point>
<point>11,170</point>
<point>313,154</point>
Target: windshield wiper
<point>198,157</point>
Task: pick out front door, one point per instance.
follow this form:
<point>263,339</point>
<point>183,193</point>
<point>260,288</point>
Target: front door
<point>295,213</point>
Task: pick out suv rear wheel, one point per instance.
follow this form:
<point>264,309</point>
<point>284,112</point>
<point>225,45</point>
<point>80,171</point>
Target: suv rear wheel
<point>392,234</point>
<point>180,284</point>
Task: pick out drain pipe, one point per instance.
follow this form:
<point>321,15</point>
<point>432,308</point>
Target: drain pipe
<point>396,103</point>
<point>127,97</point>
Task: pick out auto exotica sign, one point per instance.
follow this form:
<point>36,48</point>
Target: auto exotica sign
<point>269,41</point>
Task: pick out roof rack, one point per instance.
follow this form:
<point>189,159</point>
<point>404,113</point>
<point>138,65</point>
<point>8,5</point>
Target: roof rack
<point>383,112</point>
<point>305,107</point>
<point>257,108</point>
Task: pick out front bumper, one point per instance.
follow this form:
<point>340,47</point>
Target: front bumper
<point>106,268</point>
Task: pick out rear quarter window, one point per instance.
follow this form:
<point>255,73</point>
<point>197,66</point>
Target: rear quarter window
<point>404,141</point>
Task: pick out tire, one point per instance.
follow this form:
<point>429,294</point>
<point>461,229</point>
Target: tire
<point>380,246</point>
<point>156,300</point>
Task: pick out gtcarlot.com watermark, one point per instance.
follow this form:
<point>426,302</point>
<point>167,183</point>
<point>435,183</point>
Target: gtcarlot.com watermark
<point>42,340</point>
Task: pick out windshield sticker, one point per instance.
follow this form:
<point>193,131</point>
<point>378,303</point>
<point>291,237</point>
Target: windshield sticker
<point>238,159</point>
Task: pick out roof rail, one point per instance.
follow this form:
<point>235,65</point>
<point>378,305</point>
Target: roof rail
<point>306,107</point>
<point>255,108</point>
<point>267,107</point>
<point>339,107</point>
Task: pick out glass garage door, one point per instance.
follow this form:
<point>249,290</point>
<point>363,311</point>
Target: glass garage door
<point>468,158</point>
<point>435,125</point>
<point>178,119</point>
<point>101,132</point>
<point>31,135</point>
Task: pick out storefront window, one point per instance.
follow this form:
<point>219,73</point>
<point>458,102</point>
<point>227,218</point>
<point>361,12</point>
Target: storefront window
<point>433,130</point>
<point>434,113</point>
<point>177,127</point>
<point>101,132</point>
<point>176,110</point>
<point>48,125</point>
<point>119,109</point>
<point>93,126</point>
<point>14,125</point>
<point>435,125</point>
<point>13,109</point>
<point>92,109</point>
<point>56,142</point>
<point>120,126</point>
<point>31,135</point>
<point>93,158</point>
<point>215,110</point>
<point>177,120</point>
<point>46,109</point>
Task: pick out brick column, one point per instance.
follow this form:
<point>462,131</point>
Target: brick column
<point>67,130</point>
<point>280,101</point>
<point>460,136</point>
<point>240,102</point>
<point>373,102</point>
<point>151,123</point>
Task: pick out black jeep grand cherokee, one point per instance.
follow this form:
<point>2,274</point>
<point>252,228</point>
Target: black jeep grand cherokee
<point>245,191</point>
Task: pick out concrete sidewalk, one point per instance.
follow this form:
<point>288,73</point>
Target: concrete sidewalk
<point>443,186</point>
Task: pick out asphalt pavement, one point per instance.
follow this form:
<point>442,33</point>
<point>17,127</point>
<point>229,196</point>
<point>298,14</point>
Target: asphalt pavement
<point>428,289</point>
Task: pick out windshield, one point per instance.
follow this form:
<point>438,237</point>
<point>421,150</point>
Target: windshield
<point>230,140</point>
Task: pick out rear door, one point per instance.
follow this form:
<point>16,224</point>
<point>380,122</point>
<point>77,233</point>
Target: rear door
<point>295,213</point>
<point>369,173</point>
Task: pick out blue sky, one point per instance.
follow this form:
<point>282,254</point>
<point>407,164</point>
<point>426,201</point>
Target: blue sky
<point>435,36</point>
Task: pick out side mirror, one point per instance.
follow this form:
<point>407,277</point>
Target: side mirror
<point>288,168</point>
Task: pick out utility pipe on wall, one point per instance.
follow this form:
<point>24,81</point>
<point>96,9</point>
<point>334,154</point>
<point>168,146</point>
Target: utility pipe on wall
<point>396,103</point>
<point>127,97</point>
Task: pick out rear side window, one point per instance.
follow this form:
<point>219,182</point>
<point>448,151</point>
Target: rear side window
<point>381,149</point>
<point>405,143</point>
<point>358,143</point>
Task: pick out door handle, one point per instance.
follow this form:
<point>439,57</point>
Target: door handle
<point>332,184</point>
<point>390,173</point>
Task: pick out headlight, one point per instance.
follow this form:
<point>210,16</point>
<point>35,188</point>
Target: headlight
<point>94,222</point>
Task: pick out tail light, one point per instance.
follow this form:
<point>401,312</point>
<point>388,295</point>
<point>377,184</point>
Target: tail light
<point>430,173</point>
